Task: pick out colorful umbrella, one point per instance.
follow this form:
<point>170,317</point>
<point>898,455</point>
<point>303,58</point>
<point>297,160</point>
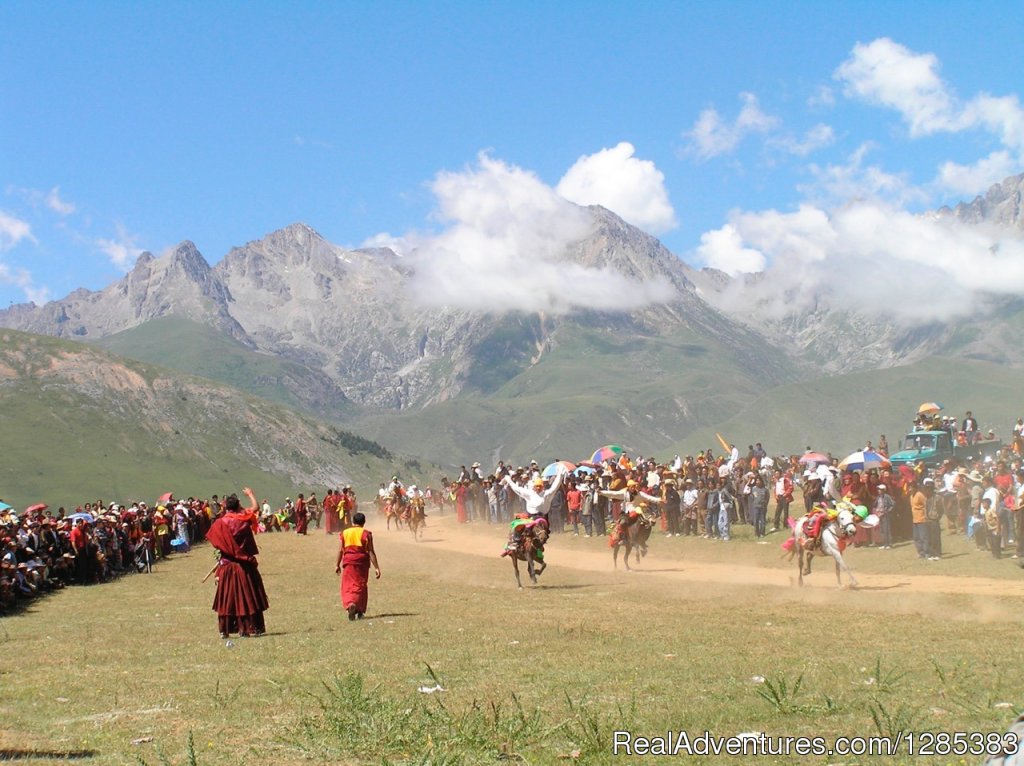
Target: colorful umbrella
<point>76,516</point>
<point>929,408</point>
<point>165,497</point>
<point>4,506</point>
<point>864,461</point>
<point>560,466</point>
<point>814,457</point>
<point>582,470</point>
<point>607,452</point>
<point>36,507</point>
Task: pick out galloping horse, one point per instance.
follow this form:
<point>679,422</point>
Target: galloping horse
<point>394,508</point>
<point>632,531</point>
<point>830,541</point>
<point>530,549</point>
<point>415,516</point>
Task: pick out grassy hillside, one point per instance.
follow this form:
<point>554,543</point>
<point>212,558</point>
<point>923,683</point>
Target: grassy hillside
<point>590,388</point>
<point>840,413</point>
<point>198,349</point>
<point>79,423</point>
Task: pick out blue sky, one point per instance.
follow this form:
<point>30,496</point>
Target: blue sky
<point>723,128</point>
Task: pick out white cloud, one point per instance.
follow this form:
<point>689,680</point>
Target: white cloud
<point>854,180</point>
<point>21,278</point>
<point>121,250</point>
<point>873,259</point>
<point>50,199</point>
<point>817,137</point>
<point>13,230</point>
<point>973,179</point>
<point>630,187</point>
<point>711,136</point>
<point>503,248</point>
<point>886,73</point>
<point>822,97</point>
<point>723,249</point>
<point>58,205</point>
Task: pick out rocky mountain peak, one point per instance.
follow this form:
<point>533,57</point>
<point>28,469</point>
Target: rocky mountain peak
<point>187,257</point>
<point>1002,205</point>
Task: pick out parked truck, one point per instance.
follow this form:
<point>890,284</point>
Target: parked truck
<point>936,447</point>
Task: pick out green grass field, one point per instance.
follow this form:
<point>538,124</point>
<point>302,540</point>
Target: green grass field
<point>535,677</point>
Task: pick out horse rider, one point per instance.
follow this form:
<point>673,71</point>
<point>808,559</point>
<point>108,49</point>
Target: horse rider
<point>538,499</point>
<point>634,505</point>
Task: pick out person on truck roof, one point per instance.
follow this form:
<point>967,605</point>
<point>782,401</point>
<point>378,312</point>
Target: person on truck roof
<point>970,428</point>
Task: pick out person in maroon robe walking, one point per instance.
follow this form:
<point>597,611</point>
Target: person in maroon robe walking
<point>355,556</point>
<point>240,600</point>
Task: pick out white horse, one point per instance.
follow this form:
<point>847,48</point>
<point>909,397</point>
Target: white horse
<point>844,525</point>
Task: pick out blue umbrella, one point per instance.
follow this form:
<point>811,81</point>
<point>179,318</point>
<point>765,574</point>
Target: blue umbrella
<point>4,506</point>
<point>583,470</point>
<point>76,516</point>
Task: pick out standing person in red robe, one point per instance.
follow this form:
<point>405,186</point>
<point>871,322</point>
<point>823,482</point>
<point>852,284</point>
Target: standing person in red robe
<point>301,515</point>
<point>240,600</point>
<point>332,522</point>
<point>355,555</point>
<point>461,492</point>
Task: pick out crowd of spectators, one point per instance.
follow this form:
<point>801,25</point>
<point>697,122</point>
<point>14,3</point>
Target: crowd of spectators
<point>43,551</point>
<point>707,495</point>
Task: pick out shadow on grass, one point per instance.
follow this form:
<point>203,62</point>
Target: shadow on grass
<point>11,754</point>
<point>391,614</point>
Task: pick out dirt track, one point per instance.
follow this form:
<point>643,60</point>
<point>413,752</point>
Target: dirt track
<point>486,541</point>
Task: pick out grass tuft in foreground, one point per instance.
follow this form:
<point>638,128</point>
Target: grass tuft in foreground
<point>367,725</point>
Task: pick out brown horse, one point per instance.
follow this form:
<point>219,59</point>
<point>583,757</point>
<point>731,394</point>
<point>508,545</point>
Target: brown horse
<point>531,550</point>
<point>394,508</point>
<point>415,517</point>
<point>632,531</point>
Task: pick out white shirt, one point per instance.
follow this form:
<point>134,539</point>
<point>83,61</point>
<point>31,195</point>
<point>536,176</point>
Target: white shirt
<point>536,502</point>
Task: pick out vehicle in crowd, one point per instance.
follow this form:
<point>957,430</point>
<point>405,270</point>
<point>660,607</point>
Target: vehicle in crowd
<point>934,447</point>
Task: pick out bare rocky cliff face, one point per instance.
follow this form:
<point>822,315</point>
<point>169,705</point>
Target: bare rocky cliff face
<point>348,313</point>
<point>180,283</point>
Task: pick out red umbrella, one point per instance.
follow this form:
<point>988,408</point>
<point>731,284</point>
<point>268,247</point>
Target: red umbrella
<point>36,507</point>
<point>165,497</point>
<point>814,457</point>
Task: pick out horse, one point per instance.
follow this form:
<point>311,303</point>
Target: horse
<point>829,542</point>
<point>633,531</point>
<point>531,550</point>
<point>415,517</point>
<point>394,508</point>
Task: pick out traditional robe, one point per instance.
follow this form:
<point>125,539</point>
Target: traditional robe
<point>240,599</point>
<point>355,567</point>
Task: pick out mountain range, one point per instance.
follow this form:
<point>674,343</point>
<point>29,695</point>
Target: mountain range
<point>340,334</point>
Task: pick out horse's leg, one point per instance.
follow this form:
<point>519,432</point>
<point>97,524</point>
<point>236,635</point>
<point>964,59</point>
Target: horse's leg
<point>529,567</point>
<point>543,566</point>
<point>515,566</point>
<point>615,556</point>
<point>625,557</point>
<point>833,549</point>
<point>800,562</point>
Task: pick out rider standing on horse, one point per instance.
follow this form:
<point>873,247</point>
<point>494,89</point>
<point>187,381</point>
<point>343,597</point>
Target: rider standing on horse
<point>538,499</point>
<point>632,507</point>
